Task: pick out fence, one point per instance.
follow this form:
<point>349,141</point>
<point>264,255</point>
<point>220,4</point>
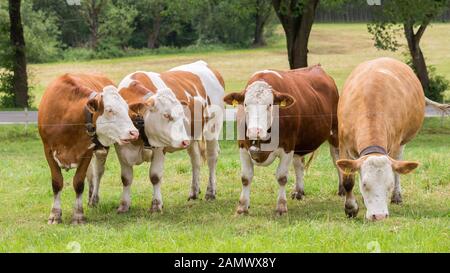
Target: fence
<point>357,13</point>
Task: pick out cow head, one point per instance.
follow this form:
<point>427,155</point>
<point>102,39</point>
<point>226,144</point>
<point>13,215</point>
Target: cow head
<point>112,122</point>
<point>164,120</point>
<point>377,180</point>
<point>258,101</point>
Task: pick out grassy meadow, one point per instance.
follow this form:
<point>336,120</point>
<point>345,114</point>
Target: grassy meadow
<point>315,224</point>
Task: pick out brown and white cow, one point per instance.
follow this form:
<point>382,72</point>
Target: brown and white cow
<point>306,100</point>
<point>77,113</point>
<point>380,110</point>
<point>181,109</point>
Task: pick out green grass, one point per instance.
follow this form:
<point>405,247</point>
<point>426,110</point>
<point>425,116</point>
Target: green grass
<point>318,223</point>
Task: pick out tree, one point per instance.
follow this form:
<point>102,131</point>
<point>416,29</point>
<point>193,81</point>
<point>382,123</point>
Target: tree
<point>262,13</point>
<point>414,16</point>
<point>19,61</point>
<point>117,26</point>
<point>92,10</point>
<point>297,18</point>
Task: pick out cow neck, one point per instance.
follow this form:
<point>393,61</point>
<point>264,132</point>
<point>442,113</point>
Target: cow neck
<point>90,125</point>
<point>373,149</point>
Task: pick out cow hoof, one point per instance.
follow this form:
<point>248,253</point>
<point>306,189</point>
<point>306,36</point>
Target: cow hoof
<point>397,199</point>
<point>156,206</point>
<point>55,217</point>
<point>93,201</point>
<point>281,211</point>
<point>78,219</point>
<point>242,211</point>
<point>282,207</point>
<point>210,196</point>
<point>123,208</point>
<point>298,195</point>
<point>192,196</point>
<point>351,210</point>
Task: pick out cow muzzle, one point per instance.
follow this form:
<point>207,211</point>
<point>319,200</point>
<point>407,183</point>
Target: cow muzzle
<point>256,134</point>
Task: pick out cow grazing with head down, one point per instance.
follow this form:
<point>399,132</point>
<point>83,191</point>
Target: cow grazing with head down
<point>380,109</point>
<point>79,113</point>
<point>306,100</point>
<point>178,109</point>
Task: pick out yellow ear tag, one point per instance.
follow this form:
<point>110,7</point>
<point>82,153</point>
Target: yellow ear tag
<point>235,103</point>
<point>283,103</point>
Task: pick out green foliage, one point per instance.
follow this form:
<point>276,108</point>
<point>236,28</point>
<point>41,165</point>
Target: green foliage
<point>390,17</point>
<point>438,85</point>
<point>385,35</point>
<point>228,22</point>
<point>117,26</point>
<point>126,25</point>
<point>6,75</point>
<point>41,34</point>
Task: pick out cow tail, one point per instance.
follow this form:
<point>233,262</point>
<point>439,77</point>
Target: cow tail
<point>311,157</point>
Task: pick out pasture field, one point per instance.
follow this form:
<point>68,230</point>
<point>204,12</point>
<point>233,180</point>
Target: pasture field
<point>315,224</point>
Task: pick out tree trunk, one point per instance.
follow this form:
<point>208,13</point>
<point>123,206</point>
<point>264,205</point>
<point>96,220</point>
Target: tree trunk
<point>20,79</point>
<point>417,57</point>
<point>259,32</point>
<point>261,16</point>
<point>297,28</point>
<point>153,36</point>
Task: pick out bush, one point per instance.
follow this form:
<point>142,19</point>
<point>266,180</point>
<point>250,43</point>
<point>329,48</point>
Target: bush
<point>438,83</point>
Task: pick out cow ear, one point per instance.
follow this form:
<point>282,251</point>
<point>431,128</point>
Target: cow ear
<point>403,167</point>
<point>283,100</point>
<point>234,98</point>
<point>138,108</point>
<point>93,105</point>
<point>348,166</point>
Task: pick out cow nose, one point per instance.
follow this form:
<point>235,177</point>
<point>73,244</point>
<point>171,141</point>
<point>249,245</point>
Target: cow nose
<point>378,217</point>
<point>185,143</point>
<point>254,132</point>
<point>134,134</point>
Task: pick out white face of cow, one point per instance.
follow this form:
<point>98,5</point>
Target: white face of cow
<point>165,121</point>
<point>376,181</point>
<point>114,124</point>
<point>259,99</point>
<point>376,185</point>
<point>258,107</point>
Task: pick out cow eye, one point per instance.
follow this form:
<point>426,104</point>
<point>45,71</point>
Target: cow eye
<point>168,116</point>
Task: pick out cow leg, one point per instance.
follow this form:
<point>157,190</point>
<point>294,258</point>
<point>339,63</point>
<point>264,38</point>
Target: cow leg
<point>282,178</point>
<point>94,175</point>
<point>212,153</point>
<point>127,179</point>
<point>246,178</point>
<point>351,206</point>
<point>156,172</point>
<point>194,154</point>
<point>299,168</point>
<point>57,186</point>
<point>334,152</point>
<point>78,185</point>
<point>397,194</point>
